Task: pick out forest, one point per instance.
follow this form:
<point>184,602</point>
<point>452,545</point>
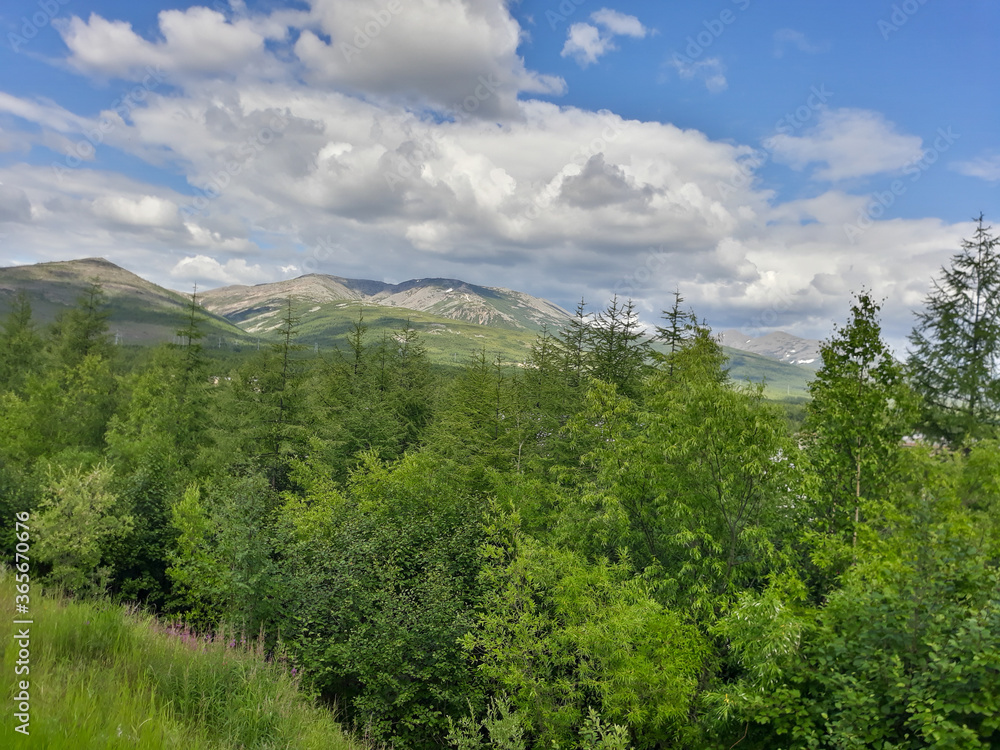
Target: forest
<point>609,547</point>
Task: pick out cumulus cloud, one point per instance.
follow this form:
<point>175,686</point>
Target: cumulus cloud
<point>710,71</point>
<point>196,40</point>
<point>985,167</point>
<point>847,143</point>
<point>586,43</point>
<point>146,211</point>
<point>457,56</point>
<point>234,271</point>
<point>321,164</point>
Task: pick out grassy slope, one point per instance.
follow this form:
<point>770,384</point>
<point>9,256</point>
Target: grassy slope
<point>142,312</point>
<point>447,341</point>
<point>450,341</point>
<point>781,380</point>
<point>105,678</point>
<point>145,313</point>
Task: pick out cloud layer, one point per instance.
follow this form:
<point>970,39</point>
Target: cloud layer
<point>403,140</point>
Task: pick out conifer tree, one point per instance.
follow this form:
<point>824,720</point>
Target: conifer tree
<point>573,342</point>
<point>855,421</point>
<point>262,417</point>
<point>679,329</point>
<point>83,330</point>
<point>412,390</point>
<point>549,396</point>
<point>618,349</point>
<point>955,351</point>
<point>19,344</point>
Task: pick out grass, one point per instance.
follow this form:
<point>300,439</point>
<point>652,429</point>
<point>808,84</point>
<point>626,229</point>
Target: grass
<point>448,341</point>
<point>106,677</point>
<point>781,381</point>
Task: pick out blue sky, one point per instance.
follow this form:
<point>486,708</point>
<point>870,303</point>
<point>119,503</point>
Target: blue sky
<point>767,158</point>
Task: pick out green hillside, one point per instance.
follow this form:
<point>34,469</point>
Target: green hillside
<point>102,676</point>
<point>781,380</point>
<point>447,340</point>
<point>145,313</point>
<point>141,312</point>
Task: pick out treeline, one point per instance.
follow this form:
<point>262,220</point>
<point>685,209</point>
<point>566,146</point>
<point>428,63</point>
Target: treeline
<point>608,548</point>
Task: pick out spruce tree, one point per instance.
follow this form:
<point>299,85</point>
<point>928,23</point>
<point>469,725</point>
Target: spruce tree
<point>679,329</point>
<point>572,342</point>
<point>618,349</point>
<point>956,343</point>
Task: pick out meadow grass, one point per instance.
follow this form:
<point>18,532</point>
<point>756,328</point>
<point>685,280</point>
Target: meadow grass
<point>103,676</point>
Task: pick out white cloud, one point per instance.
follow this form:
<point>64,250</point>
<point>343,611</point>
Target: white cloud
<point>586,43</point>
<point>554,200</point>
<point>849,143</point>
<point>710,70</point>
<point>147,211</point>
<point>14,204</point>
<point>619,23</point>
<point>201,267</point>
<point>985,167</point>
<point>437,52</point>
<point>196,40</point>
<point>45,113</point>
<point>785,38</point>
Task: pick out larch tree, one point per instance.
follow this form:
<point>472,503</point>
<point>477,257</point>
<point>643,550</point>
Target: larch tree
<point>855,424</point>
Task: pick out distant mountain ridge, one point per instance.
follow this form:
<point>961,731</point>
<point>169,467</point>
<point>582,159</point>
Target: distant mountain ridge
<point>141,311</point>
<point>253,307</point>
<point>780,346</point>
<point>455,319</point>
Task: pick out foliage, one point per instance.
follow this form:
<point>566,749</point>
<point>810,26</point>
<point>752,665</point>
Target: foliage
<point>223,563</point>
<point>584,545</point>
<point>107,677</point>
<point>956,344</point>
<point>905,655</point>
<point>20,345</point>
<point>77,521</point>
<point>855,424</point>
<point>378,585</point>
<point>544,639</point>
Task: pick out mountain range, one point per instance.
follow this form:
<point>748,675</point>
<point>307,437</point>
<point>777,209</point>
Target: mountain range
<point>454,318</point>
<point>778,345</point>
<point>254,308</point>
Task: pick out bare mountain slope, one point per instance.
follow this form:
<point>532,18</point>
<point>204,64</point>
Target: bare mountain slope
<point>250,306</point>
<point>141,311</point>
<point>780,346</point>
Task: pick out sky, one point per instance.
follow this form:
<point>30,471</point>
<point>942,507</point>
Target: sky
<point>766,159</point>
